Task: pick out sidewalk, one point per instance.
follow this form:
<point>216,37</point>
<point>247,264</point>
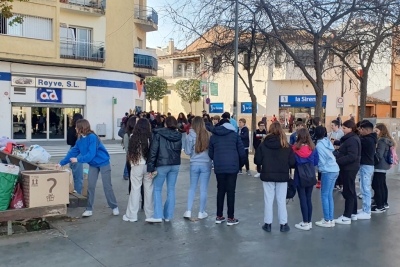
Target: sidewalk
<point>104,240</point>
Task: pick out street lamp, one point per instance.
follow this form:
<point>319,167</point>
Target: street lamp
<point>235,76</point>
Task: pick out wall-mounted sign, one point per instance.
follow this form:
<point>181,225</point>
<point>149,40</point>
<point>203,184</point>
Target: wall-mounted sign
<point>204,88</point>
<point>48,83</point>
<point>214,89</point>
<point>217,108</point>
<point>45,95</point>
<point>246,107</point>
<point>299,100</point>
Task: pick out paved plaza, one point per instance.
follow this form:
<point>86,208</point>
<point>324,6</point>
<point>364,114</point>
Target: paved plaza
<point>105,240</point>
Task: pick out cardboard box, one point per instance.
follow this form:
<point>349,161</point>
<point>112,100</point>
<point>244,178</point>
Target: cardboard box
<point>52,166</point>
<point>45,188</point>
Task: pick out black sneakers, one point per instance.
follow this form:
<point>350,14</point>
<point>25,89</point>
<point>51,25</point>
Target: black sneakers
<point>285,228</point>
<point>267,227</point>
<point>375,209</point>
<point>232,221</point>
<point>219,220</point>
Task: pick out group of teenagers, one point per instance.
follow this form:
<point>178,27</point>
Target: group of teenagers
<point>154,158</point>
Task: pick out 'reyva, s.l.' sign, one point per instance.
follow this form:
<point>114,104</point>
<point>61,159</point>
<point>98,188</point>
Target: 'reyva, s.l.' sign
<point>45,95</point>
<point>48,83</point>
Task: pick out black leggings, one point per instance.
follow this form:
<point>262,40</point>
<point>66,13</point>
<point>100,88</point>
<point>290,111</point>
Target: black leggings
<point>380,189</point>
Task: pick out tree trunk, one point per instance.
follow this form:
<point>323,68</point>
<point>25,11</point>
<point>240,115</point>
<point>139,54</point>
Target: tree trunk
<point>253,113</point>
<point>363,95</point>
<point>318,104</point>
<point>151,105</point>
<point>190,103</point>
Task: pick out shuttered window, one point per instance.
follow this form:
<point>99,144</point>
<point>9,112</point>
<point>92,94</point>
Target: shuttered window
<point>31,27</point>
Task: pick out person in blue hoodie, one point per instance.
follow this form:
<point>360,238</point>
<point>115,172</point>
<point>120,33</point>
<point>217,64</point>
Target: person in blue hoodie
<point>227,151</point>
<point>293,136</point>
<point>305,154</point>
<point>196,147</point>
<point>89,149</point>
<point>330,171</point>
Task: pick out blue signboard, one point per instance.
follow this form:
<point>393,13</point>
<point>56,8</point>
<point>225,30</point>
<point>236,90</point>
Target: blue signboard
<point>245,107</point>
<point>47,95</point>
<point>217,108</point>
<point>304,101</point>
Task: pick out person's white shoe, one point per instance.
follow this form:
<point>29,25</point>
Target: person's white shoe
<point>187,214</point>
<point>363,216</point>
<point>167,220</point>
<point>354,217</point>
<point>202,215</point>
<point>343,220</point>
<point>115,212</point>
<point>359,211</point>
<point>257,175</point>
<point>323,223</point>
<point>153,220</point>
<point>87,213</point>
<point>302,226</point>
<point>310,224</point>
<point>126,219</point>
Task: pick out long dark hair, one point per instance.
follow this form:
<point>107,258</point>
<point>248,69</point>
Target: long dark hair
<point>183,119</point>
<point>75,118</point>
<point>130,125</point>
<point>139,142</point>
<point>352,125</point>
<point>304,138</point>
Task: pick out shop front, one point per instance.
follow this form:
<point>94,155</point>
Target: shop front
<point>299,106</point>
<point>42,108</point>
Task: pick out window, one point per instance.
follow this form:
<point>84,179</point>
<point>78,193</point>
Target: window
<point>397,82</point>
<point>306,57</point>
<point>216,64</point>
<point>248,61</point>
<point>31,27</point>
<point>278,59</point>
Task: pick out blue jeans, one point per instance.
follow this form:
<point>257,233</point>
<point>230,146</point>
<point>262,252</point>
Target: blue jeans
<point>328,181</point>
<point>202,173</point>
<point>366,173</point>
<point>126,172</point>
<point>305,194</point>
<point>77,173</point>
<point>169,173</point>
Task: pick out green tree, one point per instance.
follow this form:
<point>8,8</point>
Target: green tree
<point>6,11</point>
<point>156,89</point>
<point>189,91</point>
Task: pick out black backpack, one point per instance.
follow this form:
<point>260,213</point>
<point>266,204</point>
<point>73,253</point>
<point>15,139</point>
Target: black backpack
<point>291,189</point>
<point>306,172</point>
<point>121,131</point>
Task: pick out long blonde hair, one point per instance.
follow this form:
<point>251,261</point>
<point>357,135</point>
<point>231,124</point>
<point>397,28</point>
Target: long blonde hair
<point>203,137</point>
<point>384,132</point>
<point>276,129</point>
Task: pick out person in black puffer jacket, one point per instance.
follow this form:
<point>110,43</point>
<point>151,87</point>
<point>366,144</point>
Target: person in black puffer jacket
<point>348,158</point>
<point>227,151</point>
<point>77,167</point>
<point>165,158</point>
<point>276,158</point>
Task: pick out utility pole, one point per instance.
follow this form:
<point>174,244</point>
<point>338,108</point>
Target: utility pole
<point>235,77</point>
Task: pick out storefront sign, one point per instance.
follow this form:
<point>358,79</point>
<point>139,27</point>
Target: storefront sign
<point>45,95</point>
<point>299,100</point>
<point>217,108</point>
<point>246,107</point>
<point>48,83</point>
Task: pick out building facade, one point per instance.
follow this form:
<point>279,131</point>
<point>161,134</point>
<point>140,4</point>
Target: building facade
<point>73,56</point>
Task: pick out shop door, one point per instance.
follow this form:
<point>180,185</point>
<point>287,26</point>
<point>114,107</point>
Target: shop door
<point>39,122</point>
<point>19,123</point>
<point>56,120</point>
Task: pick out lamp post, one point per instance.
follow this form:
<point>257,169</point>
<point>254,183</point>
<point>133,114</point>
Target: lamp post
<point>235,77</point>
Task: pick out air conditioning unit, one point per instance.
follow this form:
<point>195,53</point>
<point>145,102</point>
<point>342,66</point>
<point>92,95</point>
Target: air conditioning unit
<point>101,130</point>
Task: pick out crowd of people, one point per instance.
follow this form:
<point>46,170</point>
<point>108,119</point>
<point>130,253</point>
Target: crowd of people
<point>154,144</point>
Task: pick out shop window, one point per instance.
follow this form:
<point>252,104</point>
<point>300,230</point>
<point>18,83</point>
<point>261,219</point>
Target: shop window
<point>306,57</point>
<point>19,91</point>
<point>31,27</point>
<point>19,122</point>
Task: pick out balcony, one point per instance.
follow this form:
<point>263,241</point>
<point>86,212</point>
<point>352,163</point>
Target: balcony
<point>146,18</point>
<point>92,7</point>
<point>83,53</point>
<point>145,63</point>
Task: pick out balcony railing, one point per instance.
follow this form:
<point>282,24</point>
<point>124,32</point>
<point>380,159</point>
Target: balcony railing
<point>86,3</point>
<point>145,59</point>
<point>146,13</point>
<point>72,49</point>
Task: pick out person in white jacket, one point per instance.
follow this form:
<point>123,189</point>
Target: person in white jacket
<point>196,147</point>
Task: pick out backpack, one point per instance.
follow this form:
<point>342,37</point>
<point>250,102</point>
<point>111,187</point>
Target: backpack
<point>306,172</point>
<point>389,156</point>
<point>291,189</point>
<point>394,155</point>
<point>121,131</point>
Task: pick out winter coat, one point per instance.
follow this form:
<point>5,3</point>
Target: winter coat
<point>349,153</point>
<point>257,137</point>
<point>165,149</point>
<point>302,156</point>
<point>293,138</point>
<point>226,149</point>
<point>190,145</point>
<point>382,149</point>
<point>274,159</point>
<point>368,148</point>
<point>244,136</point>
<point>71,136</point>
<point>327,162</point>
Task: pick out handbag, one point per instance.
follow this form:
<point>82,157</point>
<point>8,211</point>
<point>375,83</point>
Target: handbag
<point>17,201</point>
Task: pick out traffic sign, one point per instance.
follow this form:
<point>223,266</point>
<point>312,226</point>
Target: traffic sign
<point>340,102</point>
<point>208,101</point>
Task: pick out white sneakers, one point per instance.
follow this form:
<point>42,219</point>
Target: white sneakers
<point>343,220</point>
<point>187,215</point>
<point>325,224</point>
<point>87,213</point>
<point>153,220</point>
<point>354,217</point>
<point>126,219</point>
<point>257,175</point>
<point>115,212</point>
<point>363,216</point>
<point>303,226</point>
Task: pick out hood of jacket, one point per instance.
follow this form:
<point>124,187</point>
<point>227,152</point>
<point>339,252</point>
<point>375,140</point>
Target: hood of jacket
<point>372,137</point>
<point>303,152</point>
<point>224,129</point>
<point>347,136</point>
<point>170,135</point>
<point>387,141</point>
<point>326,143</point>
<point>272,142</point>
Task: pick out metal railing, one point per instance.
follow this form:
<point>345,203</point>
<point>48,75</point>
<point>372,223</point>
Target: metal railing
<point>72,49</point>
<point>146,13</point>
<point>145,61</point>
<point>186,74</point>
<point>86,3</point>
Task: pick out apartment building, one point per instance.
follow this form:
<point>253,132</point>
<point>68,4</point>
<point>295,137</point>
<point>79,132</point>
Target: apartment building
<point>73,56</point>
